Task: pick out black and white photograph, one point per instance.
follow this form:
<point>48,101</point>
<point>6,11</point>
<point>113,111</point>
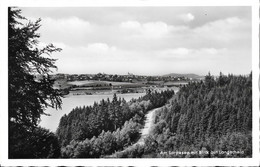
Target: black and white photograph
<point>123,82</point>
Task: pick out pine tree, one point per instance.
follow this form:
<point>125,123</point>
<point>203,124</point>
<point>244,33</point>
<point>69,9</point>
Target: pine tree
<point>30,86</point>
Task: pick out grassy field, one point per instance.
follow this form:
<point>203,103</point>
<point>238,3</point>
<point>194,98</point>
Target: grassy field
<point>90,87</point>
<point>175,83</point>
<point>86,82</point>
<point>95,82</point>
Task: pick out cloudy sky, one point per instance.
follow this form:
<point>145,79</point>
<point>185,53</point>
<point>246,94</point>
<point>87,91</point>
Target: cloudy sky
<point>148,40</point>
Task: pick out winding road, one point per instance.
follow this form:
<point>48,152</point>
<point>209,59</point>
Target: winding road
<point>149,121</point>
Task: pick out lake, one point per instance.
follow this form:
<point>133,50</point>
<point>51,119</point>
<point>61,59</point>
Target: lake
<point>70,102</point>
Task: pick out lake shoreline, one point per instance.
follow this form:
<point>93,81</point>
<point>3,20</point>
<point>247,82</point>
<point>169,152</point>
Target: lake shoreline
<point>70,101</point>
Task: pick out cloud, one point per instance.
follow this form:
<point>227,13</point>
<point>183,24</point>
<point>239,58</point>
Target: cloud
<point>189,53</point>
<point>188,17</point>
<point>70,30</point>
<point>154,35</point>
<point>99,57</point>
<point>173,53</point>
<point>132,42</point>
<point>131,25</point>
<point>180,51</point>
<point>148,30</point>
<point>210,51</point>
<point>100,48</point>
<point>71,25</point>
<point>229,32</point>
<point>225,30</point>
<point>96,52</point>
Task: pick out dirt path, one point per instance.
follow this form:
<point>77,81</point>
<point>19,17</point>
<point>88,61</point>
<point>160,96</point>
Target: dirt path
<point>149,121</point>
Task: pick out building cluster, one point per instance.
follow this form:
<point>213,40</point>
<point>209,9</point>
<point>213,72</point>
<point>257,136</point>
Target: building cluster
<point>118,78</point>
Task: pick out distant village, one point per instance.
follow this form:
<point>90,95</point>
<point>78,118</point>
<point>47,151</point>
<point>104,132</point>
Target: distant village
<point>100,83</point>
<point>119,78</point>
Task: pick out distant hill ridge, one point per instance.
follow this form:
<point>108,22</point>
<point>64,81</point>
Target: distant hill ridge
<point>194,76</point>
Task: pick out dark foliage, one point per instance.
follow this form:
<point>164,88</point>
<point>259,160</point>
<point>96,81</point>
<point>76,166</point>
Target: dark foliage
<point>105,143</point>
<point>28,95</point>
<point>214,115</point>
<point>39,143</point>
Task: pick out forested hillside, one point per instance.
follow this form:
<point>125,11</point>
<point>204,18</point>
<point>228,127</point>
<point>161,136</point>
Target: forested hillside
<point>213,117</point>
<point>105,127</point>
